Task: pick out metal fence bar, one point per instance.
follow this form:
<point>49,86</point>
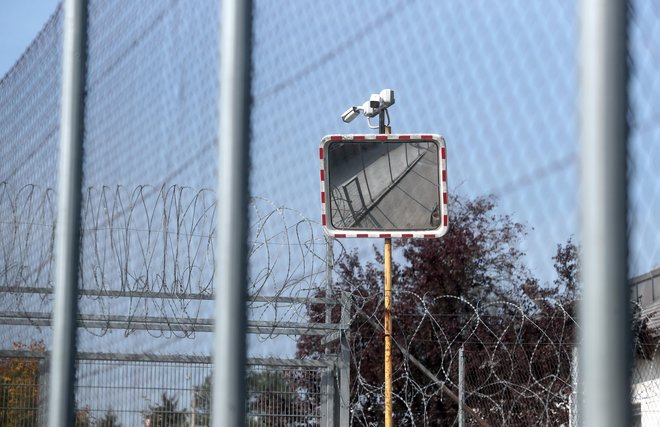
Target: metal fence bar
<point>327,398</point>
<point>171,358</point>
<point>574,412</point>
<point>231,262</point>
<point>606,340</point>
<point>67,244</point>
<point>167,295</point>
<point>461,386</point>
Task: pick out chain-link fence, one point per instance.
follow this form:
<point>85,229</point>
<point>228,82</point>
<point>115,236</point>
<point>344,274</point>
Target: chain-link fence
<point>138,390</point>
<point>646,390</point>
<point>497,80</point>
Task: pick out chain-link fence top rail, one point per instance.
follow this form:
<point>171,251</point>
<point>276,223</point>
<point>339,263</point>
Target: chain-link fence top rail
<point>497,80</point>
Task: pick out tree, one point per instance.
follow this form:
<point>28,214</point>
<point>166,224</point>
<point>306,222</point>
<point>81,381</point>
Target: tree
<point>278,398</point>
<point>275,398</point>
<point>469,289</point>
<point>83,417</point>
<point>108,420</point>
<point>201,410</point>
<point>166,414</point>
<point>19,387</point>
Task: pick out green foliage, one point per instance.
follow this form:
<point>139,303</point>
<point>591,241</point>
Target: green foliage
<point>108,420</point>
<point>202,403</point>
<point>275,398</point>
<point>167,414</point>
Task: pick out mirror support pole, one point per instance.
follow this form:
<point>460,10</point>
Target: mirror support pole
<point>388,305</point>
<point>388,332</point>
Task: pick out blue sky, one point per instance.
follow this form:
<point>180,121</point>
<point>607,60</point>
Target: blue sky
<point>20,22</point>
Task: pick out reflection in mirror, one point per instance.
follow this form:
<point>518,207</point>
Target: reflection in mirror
<point>377,185</point>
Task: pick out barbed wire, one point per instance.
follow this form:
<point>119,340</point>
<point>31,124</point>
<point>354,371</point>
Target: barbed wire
<point>510,378</point>
<point>502,381</point>
<point>148,258</point>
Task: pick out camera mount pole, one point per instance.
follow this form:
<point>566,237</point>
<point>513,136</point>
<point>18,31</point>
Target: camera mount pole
<point>382,129</point>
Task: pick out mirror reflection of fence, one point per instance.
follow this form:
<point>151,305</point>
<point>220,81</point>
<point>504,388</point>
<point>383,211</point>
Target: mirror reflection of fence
<point>384,185</point>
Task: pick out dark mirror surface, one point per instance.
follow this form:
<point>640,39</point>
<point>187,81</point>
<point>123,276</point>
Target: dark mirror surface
<point>377,185</point>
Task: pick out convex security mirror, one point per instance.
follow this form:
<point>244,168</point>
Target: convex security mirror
<point>384,185</point>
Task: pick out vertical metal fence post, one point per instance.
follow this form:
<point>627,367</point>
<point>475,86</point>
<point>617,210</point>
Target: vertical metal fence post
<point>574,412</point>
<point>329,261</point>
<point>461,386</point>
<point>345,361</point>
<point>327,397</point>
<point>328,407</point>
<point>61,401</point>
<point>231,258</point>
<point>606,344</point>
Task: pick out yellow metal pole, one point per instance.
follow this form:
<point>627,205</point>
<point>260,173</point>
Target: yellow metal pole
<point>388,319</point>
<point>388,332</point>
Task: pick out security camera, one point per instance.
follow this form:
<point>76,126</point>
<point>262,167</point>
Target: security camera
<point>387,97</point>
<point>370,111</point>
<point>377,104</point>
<point>374,101</point>
<point>350,114</point>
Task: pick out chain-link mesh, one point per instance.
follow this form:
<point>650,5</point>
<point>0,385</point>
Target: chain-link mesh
<point>646,390</point>
<point>497,80</point>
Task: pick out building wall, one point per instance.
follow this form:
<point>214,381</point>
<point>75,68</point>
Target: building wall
<point>646,288</point>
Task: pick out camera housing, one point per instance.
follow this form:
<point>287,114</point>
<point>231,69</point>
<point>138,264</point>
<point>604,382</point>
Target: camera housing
<point>350,114</point>
<point>374,101</point>
<point>370,111</point>
<point>387,97</point>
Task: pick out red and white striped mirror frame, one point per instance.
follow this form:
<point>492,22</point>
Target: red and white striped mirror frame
<point>406,138</point>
